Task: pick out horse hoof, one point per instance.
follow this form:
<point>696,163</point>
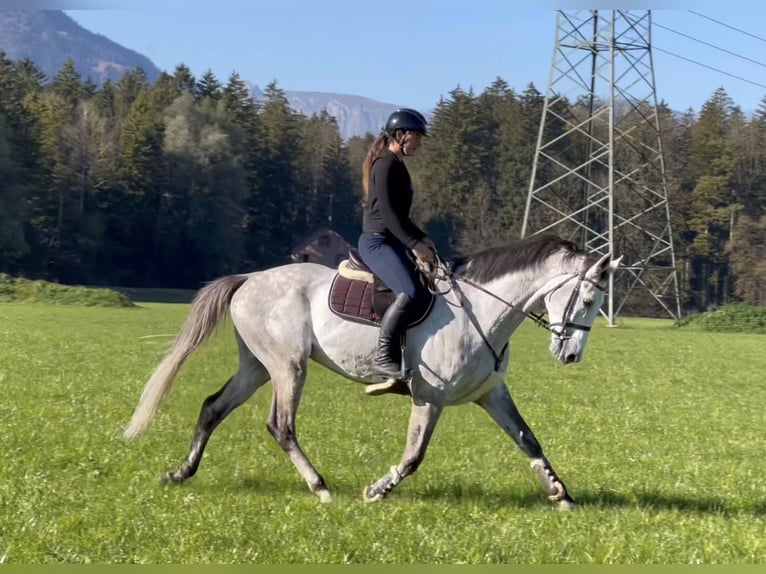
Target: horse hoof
<point>369,494</point>
<point>566,505</point>
<point>324,496</point>
<point>171,477</point>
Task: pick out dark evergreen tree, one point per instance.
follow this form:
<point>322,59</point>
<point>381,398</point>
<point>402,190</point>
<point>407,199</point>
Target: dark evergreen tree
<point>13,208</point>
<point>711,205</point>
<point>280,207</point>
<point>177,182</point>
<point>209,86</point>
<point>203,203</point>
<point>184,80</point>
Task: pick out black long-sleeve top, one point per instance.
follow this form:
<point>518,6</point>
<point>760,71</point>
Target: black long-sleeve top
<point>389,201</point>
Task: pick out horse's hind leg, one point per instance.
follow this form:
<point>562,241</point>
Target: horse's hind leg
<point>250,376</point>
<point>500,406</point>
<point>288,381</point>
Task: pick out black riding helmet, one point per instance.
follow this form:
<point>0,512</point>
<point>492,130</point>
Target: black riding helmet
<point>408,120</point>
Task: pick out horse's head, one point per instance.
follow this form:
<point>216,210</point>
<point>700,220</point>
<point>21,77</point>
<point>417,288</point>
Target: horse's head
<point>573,303</point>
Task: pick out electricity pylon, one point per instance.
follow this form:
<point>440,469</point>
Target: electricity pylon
<point>598,175</point>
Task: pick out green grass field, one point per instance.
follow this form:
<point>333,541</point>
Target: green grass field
<point>659,434</point>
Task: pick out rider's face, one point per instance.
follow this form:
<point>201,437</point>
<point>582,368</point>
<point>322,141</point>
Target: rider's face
<point>411,142</point>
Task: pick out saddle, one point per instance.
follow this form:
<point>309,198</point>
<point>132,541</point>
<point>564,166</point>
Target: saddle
<point>359,295</point>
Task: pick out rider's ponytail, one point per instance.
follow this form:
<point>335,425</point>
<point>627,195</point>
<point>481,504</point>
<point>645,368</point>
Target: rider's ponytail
<point>376,150</point>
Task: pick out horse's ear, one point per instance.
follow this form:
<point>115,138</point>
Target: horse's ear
<point>605,265</point>
<point>600,266</point>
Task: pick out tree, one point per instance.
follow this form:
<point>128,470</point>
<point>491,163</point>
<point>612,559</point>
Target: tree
<point>133,229</point>
<point>747,253</point>
<point>209,86</point>
<point>449,168</point>
<point>68,85</point>
<point>203,203</point>
<point>243,111</point>
<point>127,90</point>
<point>24,166</point>
<point>280,203</point>
<point>320,145</point>
<point>711,206</point>
<point>178,181</point>
<point>30,77</point>
<point>750,166</point>
<point>238,102</point>
<point>184,80</point>
<point>13,214</point>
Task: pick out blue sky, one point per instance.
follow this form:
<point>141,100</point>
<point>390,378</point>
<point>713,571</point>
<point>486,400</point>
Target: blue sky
<point>411,53</point>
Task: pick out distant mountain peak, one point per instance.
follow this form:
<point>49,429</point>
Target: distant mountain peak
<point>50,37</point>
<point>356,115</point>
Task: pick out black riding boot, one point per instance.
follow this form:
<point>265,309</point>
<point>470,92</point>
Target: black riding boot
<point>392,325</point>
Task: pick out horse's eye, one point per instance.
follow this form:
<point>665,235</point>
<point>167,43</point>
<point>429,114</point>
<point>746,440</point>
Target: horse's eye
<point>587,303</point>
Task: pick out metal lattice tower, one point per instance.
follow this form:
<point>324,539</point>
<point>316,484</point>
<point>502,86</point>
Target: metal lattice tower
<point>598,175</point>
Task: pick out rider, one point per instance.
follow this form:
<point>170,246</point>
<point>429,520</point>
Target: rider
<point>388,233</point>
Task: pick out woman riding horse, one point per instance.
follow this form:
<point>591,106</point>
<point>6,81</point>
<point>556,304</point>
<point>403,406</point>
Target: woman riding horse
<point>389,235</point>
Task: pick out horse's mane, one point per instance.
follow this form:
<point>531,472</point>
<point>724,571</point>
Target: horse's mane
<point>488,264</point>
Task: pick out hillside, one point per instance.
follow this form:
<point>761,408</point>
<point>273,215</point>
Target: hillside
<point>50,37</point>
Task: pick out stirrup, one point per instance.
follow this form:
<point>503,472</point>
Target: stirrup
<point>395,384</point>
<point>391,385</point>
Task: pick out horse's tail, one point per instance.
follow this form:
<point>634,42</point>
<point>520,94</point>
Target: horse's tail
<point>207,311</point>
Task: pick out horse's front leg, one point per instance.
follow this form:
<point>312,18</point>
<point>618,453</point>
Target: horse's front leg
<point>423,418</point>
<point>500,406</point>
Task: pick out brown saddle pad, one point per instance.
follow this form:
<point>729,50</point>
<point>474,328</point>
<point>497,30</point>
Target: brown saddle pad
<point>365,302</point>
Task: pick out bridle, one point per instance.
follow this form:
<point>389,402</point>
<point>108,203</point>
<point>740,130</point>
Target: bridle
<point>441,272</point>
<point>568,315</point>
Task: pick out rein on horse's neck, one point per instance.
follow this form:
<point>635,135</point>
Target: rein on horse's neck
<point>515,309</point>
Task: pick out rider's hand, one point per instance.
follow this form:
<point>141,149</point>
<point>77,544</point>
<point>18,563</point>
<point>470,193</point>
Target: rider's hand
<point>424,252</point>
<point>429,243</point>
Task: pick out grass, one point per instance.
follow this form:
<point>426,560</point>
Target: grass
<point>21,290</point>
<point>658,434</point>
<point>731,318</point>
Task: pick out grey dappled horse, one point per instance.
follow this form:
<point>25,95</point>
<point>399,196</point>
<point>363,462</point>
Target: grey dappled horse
<point>458,354</point>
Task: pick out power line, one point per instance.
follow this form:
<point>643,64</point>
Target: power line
<point>711,68</point>
<point>728,26</point>
<point>709,44</point>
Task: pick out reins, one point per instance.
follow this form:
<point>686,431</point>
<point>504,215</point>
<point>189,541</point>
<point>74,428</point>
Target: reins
<point>440,272</point>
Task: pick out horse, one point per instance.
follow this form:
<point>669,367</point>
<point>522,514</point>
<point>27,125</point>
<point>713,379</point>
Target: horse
<point>457,354</point>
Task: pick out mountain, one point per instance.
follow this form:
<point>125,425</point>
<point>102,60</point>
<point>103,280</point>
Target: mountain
<point>356,115</point>
<point>50,37</point>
